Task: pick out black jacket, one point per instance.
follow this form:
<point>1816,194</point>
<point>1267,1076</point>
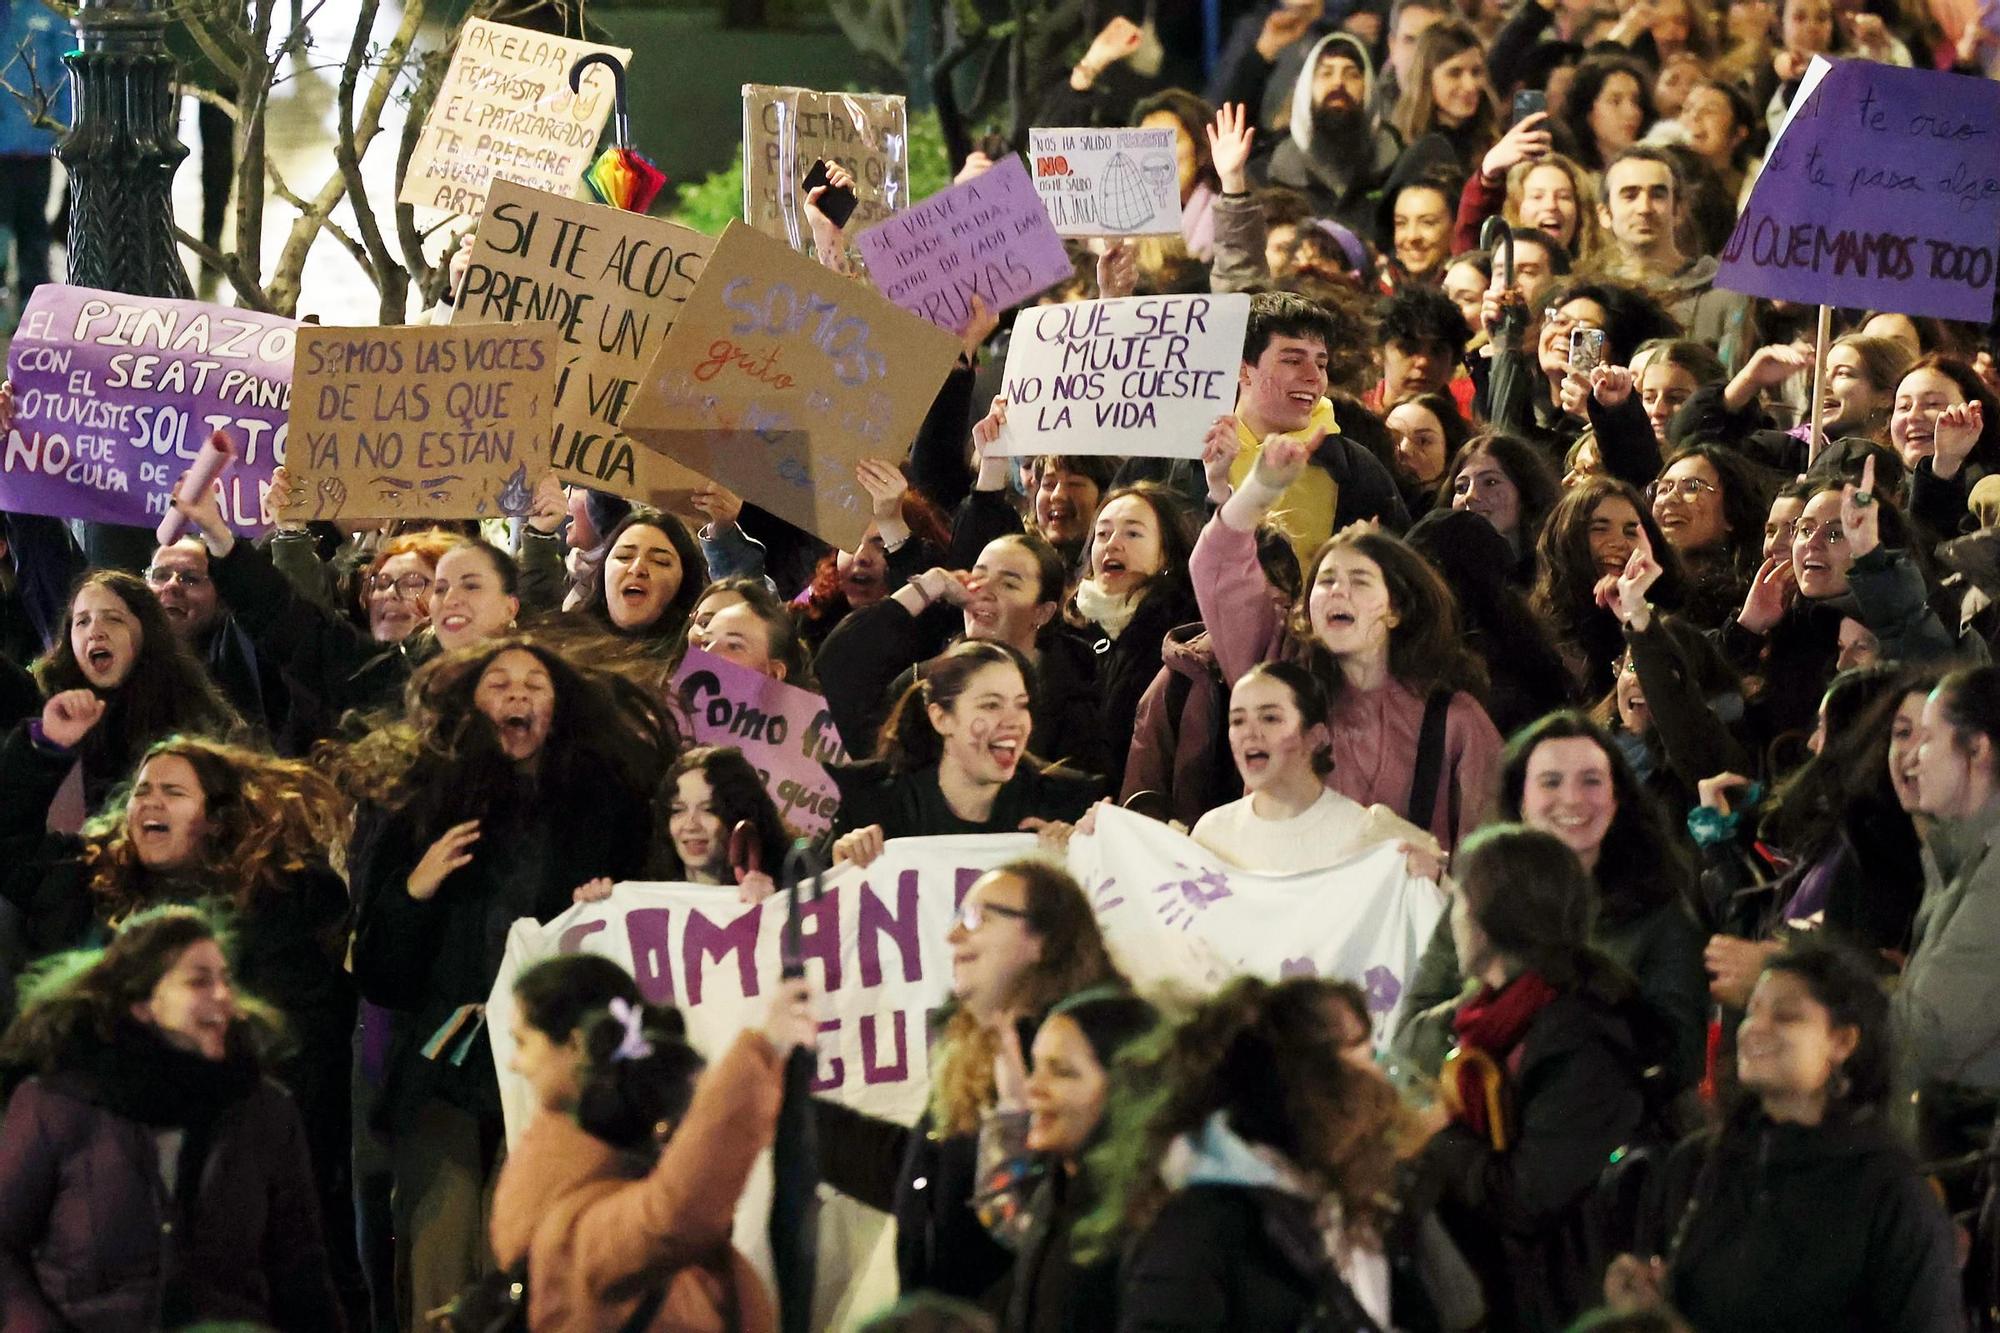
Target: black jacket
<point>1127,664</point>
<point>910,805</point>
<point>1519,1215</point>
<point>1789,1229</point>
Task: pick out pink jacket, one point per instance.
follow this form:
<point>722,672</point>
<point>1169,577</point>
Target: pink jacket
<point>598,1240</point>
<point>1374,731</point>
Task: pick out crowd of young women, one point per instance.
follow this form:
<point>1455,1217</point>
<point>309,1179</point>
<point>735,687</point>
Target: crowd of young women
<point>1669,669</point>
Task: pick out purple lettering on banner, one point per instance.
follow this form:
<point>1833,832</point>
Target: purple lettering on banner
<point>872,1070</point>
<point>1881,192</point>
<point>900,925</point>
<point>114,395</point>
<point>780,729</point>
<point>962,884</point>
<point>702,939</point>
<point>649,930</point>
<point>573,938</point>
<point>990,237</point>
<point>819,936</point>
<point>831,1071</point>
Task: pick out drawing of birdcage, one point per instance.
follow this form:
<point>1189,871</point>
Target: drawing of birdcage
<point>1124,201</point>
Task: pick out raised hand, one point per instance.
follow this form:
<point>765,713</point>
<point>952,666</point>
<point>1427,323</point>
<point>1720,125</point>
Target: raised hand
<point>717,503</point>
<point>549,505</point>
<point>1611,385</point>
<point>1283,459</point>
<point>1529,141</point>
<point>1641,572</point>
<point>942,585</point>
<point>1010,1067</point>
<point>828,241</point>
<point>68,716</point>
<point>1956,432</point>
<point>1119,41</point>
<point>203,508</point>
<point>1573,394</point>
<point>886,485</point>
<point>977,164</point>
<point>1229,140</point>
<point>6,406</point>
<point>1290,21</point>
<point>984,319</point>
<point>1771,591</point>
<point>452,851</point>
<point>1861,511</point>
<point>1118,270</point>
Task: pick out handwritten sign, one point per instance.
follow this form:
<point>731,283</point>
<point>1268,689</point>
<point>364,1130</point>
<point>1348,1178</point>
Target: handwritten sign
<point>115,395</point>
<point>1108,182</point>
<point>613,283</point>
<point>989,237</point>
<point>445,422</point>
<point>786,130</point>
<point>1142,375</point>
<point>785,732</point>
<point>779,376</point>
<point>505,112</point>
<point>1881,191</point>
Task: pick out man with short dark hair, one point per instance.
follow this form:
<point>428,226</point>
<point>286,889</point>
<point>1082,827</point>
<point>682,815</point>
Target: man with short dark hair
<point>1641,210</point>
<point>1422,335</point>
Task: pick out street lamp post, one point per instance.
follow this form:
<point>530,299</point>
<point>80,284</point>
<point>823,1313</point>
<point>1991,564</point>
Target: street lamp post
<point>122,150</point>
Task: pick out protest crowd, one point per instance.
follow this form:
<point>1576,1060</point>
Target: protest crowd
<point>1479,538</point>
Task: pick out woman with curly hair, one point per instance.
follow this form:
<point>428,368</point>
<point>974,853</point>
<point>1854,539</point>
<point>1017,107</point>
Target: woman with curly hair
<point>1589,536</point>
<point>1025,939</point>
<point>121,649</point>
<point>518,777</point>
<point>1556,196</point>
<point>1710,503</point>
<point>1379,629</point>
<point>1252,1165</point>
<point>150,1176</point>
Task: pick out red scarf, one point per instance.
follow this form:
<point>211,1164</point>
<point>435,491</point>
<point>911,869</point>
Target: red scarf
<point>1489,1026</point>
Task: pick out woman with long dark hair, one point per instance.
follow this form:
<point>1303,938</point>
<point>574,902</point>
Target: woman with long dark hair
<point>150,1176</point>
<point>1590,535</point>
<point>1710,503</point>
<point>1946,424</point>
<point>1507,482</point>
<point>710,791</point>
<point>1544,1084</point>
<point>955,759</point>
<point>120,647</point>
<point>1803,1210</point>
<point>518,778</point>
<point>1378,628</point>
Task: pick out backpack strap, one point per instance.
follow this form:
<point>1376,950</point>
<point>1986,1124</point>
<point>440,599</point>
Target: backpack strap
<point>1430,759</point>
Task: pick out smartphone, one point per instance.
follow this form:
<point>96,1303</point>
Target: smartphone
<point>1528,102</point>
<point>838,203</point>
<point>1586,350</point>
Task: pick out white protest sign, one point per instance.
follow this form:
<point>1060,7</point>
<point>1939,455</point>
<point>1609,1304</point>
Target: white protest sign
<point>1137,376</point>
<point>1108,182</point>
<point>505,112</point>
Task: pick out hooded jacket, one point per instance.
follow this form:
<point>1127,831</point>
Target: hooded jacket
<point>1337,177</point>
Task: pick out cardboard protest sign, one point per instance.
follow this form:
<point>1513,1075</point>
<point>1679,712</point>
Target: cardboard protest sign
<point>505,112</point>
<point>115,395</point>
<point>1140,375</point>
<point>613,283</point>
<point>401,422</point>
<point>1108,182</point>
<point>786,130</point>
<point>785,732</point>
<point>989,237</point>
<point>780,375</point>
<point>1881,191</point>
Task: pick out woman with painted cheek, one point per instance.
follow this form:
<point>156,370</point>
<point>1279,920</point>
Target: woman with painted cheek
<point>518,778</point>
<point>711,791</point>
<point>955,759</point>
<point>1565,776</point>
<point>1137,590</point>
<point>198,1205</point>
<point>144,683</point>
<point>1803,1210</point>
<point>1033,1145</point>
<point>1378,627</point>
<point>1025,939</point>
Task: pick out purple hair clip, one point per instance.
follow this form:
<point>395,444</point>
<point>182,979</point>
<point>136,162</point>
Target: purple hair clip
<point>633,1046</point>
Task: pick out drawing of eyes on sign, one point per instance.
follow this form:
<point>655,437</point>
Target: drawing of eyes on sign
<point>1108,182</point>
<point>1139,376</point>
<point>1881,191</point>
<point>402,422</point>
<point>505,112</point>
<point>779,376</point>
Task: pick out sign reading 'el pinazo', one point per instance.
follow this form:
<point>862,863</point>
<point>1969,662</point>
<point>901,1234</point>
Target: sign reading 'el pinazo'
<point>1880,192</point>
<point>114,396</point>
<point>613,282</point>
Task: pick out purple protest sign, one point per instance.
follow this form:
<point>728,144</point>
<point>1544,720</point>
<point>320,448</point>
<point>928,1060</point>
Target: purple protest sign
<point>990,236</point>
<point>1881,191</point>
<point>114,396</point>
<point>785,732</point>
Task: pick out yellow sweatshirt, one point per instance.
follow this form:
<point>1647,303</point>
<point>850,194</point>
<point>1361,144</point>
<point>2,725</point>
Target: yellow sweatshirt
<point>1307,508</point>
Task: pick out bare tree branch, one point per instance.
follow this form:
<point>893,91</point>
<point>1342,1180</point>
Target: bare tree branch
<point>248,292</point>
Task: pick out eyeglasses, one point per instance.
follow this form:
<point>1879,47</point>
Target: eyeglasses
<point>1805,532</point>
<point>408,587</point>
<point>157,577</point>
<point>972,915</point>
<point>1556,321</point>
<point>1688,489</point>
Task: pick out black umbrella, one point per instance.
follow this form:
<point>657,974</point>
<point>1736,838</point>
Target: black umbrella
<point>795,1151</point>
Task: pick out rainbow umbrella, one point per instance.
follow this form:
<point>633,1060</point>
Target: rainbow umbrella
<point>622,176</point>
